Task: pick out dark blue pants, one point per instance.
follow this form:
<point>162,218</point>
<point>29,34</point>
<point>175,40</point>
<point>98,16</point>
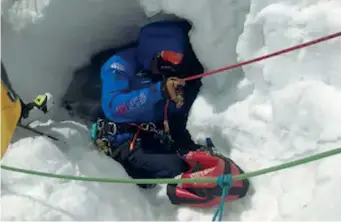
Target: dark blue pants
<point>151,162</point>
<point>143,164</point>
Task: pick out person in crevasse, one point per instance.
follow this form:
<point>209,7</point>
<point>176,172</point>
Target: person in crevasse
<point>145,106</point>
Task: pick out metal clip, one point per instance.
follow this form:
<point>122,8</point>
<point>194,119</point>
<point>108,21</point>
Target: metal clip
<point>100,124</point>
<point>152,127</point>
<point>148,127</point>
<point>144,126</point>
<point>113,128</point>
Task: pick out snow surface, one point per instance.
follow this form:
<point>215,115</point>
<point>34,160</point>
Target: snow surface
<point>264,114</point>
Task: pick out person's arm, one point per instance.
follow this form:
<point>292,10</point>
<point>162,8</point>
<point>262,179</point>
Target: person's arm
<point>120,102</point>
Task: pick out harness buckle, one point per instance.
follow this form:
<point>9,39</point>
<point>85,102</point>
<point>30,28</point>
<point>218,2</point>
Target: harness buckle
<point>112,128</point>
<point>147,126</point>
<point>144,126</point>
<point>108,127</point>
<point>100,124</point>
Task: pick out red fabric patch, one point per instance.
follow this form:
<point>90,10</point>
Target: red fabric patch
<point>172,57</point>
<point>121,109</point>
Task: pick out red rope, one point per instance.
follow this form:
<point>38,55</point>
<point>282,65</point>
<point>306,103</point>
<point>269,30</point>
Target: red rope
<point>165,117</point>
<point>133,142</point>
<point>293,48</point>
<point>303,45</point>
<point>165,124</point>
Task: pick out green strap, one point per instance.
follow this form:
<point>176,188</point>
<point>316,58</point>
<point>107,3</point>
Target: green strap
<point>177,181</point>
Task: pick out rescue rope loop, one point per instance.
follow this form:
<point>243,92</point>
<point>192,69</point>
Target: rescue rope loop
<point>225,182</point>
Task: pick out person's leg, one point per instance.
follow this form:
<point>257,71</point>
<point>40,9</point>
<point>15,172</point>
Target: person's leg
<point>152,165</point>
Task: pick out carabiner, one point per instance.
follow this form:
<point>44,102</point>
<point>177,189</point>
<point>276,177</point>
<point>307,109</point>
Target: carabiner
<point>100,124</point>
<point>144,126</point>
<point>113,128</point>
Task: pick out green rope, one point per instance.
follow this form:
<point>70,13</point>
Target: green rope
<point>177,181</point>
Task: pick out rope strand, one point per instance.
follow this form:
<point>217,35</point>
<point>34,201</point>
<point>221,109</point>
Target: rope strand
<point>300,46</point>
<point>255,173</point>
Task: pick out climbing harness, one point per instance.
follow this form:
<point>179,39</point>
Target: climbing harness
<point>133,142</point>
<point>103,132</point>
<point>102,129</point>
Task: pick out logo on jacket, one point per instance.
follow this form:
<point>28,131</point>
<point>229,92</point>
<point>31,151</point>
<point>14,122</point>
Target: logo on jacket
<point>137,102</point>
<point>117,66</point>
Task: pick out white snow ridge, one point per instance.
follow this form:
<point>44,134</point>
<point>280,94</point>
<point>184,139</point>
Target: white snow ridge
<point>264,114</point>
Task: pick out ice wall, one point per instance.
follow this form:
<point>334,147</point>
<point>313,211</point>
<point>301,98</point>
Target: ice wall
<point>43,42</point>
<point>291,109</point>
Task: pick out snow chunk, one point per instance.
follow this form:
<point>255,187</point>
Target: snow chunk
<point>40,198</point>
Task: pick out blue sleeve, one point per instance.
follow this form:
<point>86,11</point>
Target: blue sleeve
<point>120,104</point>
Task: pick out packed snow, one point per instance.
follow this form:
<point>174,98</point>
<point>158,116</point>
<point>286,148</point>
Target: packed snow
<point>266,113</point>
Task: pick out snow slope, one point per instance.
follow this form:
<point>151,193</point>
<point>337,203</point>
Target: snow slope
<point>293,110</point>
<point>26,197</point>
<point>267,113</point>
